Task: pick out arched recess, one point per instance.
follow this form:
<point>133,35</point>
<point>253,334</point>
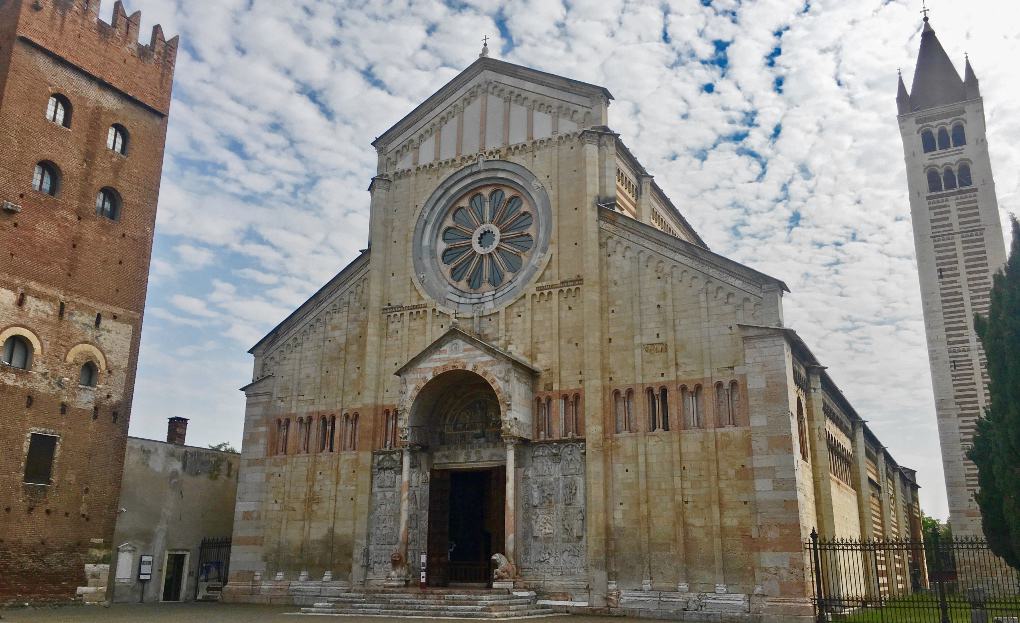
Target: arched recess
<point>455,406</point>
<point>80,352</point>
<point>25,333</point>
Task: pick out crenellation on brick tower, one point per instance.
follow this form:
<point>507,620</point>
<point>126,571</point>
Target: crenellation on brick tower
<point>83,119</point>
<point>959,244</point>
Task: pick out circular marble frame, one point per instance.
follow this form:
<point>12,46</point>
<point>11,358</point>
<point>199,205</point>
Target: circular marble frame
<point>428,271</point>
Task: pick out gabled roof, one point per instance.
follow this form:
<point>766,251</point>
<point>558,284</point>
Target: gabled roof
<point>476,68</point>
<point>936,82</point>
<point>454,333</point>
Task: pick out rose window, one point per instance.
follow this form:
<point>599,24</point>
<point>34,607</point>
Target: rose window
<point>486,238</point>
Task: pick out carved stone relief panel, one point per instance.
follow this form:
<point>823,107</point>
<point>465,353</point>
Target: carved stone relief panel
<point>552,511</point>
<point>385,512</point>
<point>418,509</point>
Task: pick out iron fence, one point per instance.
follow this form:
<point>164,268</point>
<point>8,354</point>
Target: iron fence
<point>939,580</point>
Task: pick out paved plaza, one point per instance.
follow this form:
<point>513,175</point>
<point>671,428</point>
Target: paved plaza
<point>219,613</point>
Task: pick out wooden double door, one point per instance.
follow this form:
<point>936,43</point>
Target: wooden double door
<point>466,512</point>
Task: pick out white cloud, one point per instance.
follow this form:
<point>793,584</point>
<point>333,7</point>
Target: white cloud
<point>276,104</point>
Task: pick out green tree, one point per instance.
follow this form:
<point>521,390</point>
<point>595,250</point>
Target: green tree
<point>223,447</point>
<point>996,450</point>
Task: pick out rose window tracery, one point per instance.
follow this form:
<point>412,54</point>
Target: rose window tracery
<point>486,238</point>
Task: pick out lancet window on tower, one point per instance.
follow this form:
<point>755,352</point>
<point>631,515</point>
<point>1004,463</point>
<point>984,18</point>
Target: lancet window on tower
<point>928,141</point>
<point>943,138</point>
<point>802,435</point>
<point>959,135</point>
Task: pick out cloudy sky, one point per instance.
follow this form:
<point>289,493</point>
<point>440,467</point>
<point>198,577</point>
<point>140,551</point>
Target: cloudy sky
<point>771,124</point>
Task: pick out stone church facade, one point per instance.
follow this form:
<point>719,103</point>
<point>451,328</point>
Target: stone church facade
<point>537,356</point>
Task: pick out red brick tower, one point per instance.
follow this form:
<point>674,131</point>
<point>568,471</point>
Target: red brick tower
<point>83,120</point>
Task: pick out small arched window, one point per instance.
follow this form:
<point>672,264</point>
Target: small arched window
<point>934,181</point>
<point>722,403</point>
<point>693,406</point>
<point>89,375</point>
<point>345,432</point>
<point>332,433</point>
<point>943,138</point>
<point>928,141</point>
<point>540,418</point>
<point>734,403</point>
<point>18,352</point>
<point>354,431</point>
<point>58,110</point>
<point>117,139</point>
<point>664,408</point>
<point>628,410</point>
<point>46,178</point>
<point>387,429</point>
<point>948,179</point>
<point>323,433</point>
<point>802,436</point>
<point>618,415</point>
<point>108,204</point>
<point>282,434</point>
<point>959,135</point>
<point>575,413</point>
<point>653,409</point>
<point>963,176</point>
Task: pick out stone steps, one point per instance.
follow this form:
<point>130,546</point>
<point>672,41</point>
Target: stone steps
<point>445,603</point>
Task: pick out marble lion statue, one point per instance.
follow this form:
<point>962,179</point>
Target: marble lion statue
<point>504,568</point>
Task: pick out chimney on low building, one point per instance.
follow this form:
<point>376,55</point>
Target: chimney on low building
<point>177,430</point>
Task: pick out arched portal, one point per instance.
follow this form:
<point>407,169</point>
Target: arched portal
<point>454,425</point>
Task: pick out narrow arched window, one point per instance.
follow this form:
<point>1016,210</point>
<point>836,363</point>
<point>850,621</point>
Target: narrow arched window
<point>332,433</point>
<point>928,141</point>
<point>664,408</point>
<point>734,410</point>
<point>58,110</point>
<point>628,407</point>
<point>959,135</point>
<point>934,181</point>
<point>802,436</point>
<point>576,413</point>
<point>618,414</point>
<point>943,138</point>
<point>108,204</point>
<point>564,415</point>
<point>345,428</point>
<point>386,429</point>
<point>18,352</point>
<point>540,418</point>
<point>963,176</point>
<point>722,403</point>
<point>323,432</point>
<point>46,178</point>
<point>306,440</point>
<point>653,409</point>
<point>948,179</point>
<point>284,436</point>
<point>354,431</point>
<point>117,139</point>
<point>697,407</point>
<point>89,375</point>
<point>547,424</point>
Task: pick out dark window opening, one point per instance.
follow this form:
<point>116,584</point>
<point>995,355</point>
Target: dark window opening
<point>117,139</point>
<point>99,320</point>
<point>58,110</point>
<point>948,179</point>
<point>963,177</point>
<point>108,204</point>
<point>46,178</point>
<point>17,352</point>
<point>959,135</point>
<point>934,182</point>
<point>60,314</point>
<point>928,141</point>
<point>39,462</point>
<point>943,138</point>
<point>89,375</point>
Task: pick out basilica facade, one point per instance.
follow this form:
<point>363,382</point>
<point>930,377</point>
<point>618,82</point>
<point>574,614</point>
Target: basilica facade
<point>537,359</point>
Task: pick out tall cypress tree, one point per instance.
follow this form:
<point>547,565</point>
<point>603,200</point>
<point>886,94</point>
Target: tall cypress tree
<point>996,450</point>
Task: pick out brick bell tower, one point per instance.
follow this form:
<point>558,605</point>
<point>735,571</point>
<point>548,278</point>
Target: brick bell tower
<point>83,120</point>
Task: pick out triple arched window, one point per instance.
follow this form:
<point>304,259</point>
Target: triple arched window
<point>658,408</point>
<point>949,178</point>
<point>17,352</point>
<point>802,430</point>
<point>693,402</point>
<point>349,432</point>
<point>727,403</point>
<point>623,411</point>
<point>943,137</point>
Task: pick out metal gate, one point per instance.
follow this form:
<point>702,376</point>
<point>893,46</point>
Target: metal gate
<point>213,567</point>
<point>941,580</point>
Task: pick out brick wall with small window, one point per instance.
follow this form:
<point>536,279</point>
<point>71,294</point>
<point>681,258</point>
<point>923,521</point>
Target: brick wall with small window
<point>72,255</point>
